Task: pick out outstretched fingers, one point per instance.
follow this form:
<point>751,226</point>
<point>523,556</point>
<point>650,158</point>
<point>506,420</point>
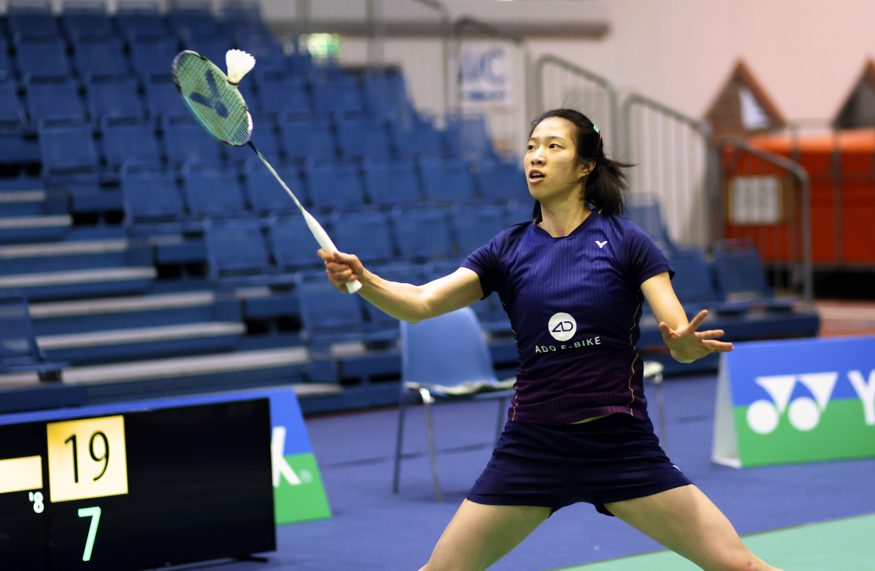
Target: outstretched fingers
<point>698,319</point>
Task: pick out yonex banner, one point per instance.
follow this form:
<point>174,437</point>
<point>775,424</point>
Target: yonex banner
<point>298,492</point>
<point>795,401</point>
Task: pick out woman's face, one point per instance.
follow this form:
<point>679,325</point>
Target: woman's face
<point>551,164</point>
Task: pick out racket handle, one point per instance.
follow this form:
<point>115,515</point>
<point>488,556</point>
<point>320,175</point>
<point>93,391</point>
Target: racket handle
<point>325,242</point>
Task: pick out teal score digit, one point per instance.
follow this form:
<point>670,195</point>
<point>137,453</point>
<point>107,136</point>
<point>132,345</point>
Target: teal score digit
<point>37,499</point>
<point>94,514</point>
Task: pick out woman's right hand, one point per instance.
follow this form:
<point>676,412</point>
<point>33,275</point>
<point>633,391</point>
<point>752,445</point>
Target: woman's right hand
<point>341,268</point>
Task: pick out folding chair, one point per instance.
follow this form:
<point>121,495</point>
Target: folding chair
<point>445,359</point>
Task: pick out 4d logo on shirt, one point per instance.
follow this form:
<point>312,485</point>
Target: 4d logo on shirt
<point>562,326</point>
<point>803,412</point>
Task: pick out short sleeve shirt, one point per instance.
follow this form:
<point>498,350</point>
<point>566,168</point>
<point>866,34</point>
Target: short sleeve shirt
<point>574,304</point>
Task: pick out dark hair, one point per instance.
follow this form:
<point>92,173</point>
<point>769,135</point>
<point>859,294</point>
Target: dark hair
<point>604,186</point>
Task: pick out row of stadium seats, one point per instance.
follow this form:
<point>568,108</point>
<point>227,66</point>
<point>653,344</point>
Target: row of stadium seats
<point>81,20</point>
<point>67,145</point>
<point>90,41</point>
<point>153,196</point>
<point>154,95</point>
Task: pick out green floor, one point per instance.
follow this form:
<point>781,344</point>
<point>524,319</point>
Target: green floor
<point>846,545</point>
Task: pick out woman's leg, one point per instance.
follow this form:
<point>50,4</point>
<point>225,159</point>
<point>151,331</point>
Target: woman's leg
<point>687,522</point>
<point>479,535</point>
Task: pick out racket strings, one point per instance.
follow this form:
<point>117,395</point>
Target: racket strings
<point>217,105</point>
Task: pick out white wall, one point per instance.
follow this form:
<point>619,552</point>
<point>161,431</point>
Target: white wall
<point>806,54</point>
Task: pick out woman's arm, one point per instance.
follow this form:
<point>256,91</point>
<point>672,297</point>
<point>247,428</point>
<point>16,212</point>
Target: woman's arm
<point>404,301</point>
<point>685,343</point>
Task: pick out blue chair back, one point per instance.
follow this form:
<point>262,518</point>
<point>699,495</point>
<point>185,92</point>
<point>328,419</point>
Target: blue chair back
<point>100,56</point>
<point>131,142</point>
<point>445,350</point>
<point>236,248</point>
<point>447,182</point>
<point>392,184</point>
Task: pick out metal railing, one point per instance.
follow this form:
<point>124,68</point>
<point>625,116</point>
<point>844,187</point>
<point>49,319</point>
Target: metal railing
<point>768,201</point>
<point>674,161</point>
<point>561,83</point>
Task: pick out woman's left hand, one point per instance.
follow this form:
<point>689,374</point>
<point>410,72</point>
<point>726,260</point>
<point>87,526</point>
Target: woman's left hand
<point>687,344</point>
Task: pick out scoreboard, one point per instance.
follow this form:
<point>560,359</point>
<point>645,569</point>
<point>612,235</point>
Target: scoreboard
<point>135,489</point>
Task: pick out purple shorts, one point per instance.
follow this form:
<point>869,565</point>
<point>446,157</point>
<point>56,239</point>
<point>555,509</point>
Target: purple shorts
<point>555,465</point>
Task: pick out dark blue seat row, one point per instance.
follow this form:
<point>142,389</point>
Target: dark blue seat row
<point>154,196</point>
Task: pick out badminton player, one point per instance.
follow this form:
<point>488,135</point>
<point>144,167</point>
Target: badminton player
<point>572,280</point>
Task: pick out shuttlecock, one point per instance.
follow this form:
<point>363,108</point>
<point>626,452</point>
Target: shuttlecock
<point>239,63</point>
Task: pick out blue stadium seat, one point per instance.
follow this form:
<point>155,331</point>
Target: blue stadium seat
<point>19,351</point>
<point>193,21</point>
<point>363,138</point>
<point>392,183</point>
<point>263,191</point>
<point>84,21</point>
<point>31,19</point>
<point>213,47</point>
<point>263,46</point>
<point>236,249</point>
<point>12,112</point>
<point>211,192</point>
<point>7,70</point>
<point>293,245</point>
<point>243,17</point>
<point>162,97</point>
<point>518,211</point>
<point>151,197</point>
<point>335,186</point>
<point>386,95</point>
<point>42,57</point>
<point>17,146</point>
<point>100,56</point>
<point>643,209</point>
<point>153,55</point>
<point>340,94</point>
<point>467,137</point>
<point>186,142</point>
<point>328,316</point>
<point>306,139</point>
<point>694,281</point>
<point>141,20</point>
<point>130,143</point>
<point>114,98</point>
<point>447,182</point>
<point>68,149</point>
<point>740,276</point>
<point>500,181</point>
<point>280,93</point>
<point>300,63</point>
<point>475,226</point>
<point>366,234</point>
<point>422,235</point>
<point>419,139</point>
<point>54,101</point>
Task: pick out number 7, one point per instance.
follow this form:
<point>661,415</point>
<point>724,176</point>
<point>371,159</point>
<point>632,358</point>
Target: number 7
<point>94,514</point>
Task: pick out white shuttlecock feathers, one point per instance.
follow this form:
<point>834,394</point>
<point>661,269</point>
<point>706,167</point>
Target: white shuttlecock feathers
<point>239,63</point>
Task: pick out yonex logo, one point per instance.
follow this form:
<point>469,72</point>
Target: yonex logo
<point>803,412</point>
<point>562,326</point>
<point>212,101</point>
<point>601,244</point>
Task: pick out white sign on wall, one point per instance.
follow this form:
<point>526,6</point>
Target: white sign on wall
<point>486,73</point>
